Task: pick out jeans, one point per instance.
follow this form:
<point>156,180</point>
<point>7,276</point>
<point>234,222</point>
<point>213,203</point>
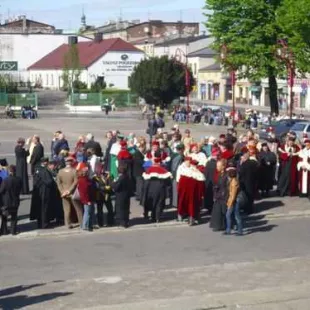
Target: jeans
<point>236,210</point>
<point>88,217</point>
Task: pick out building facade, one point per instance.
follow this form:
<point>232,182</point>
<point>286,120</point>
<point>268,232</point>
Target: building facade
<point>112,60</point>
<point>19,51</point>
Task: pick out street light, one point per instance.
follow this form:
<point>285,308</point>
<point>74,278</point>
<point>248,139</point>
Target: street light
<point>178,57</point>
<point>232,72</point>
<point>285,54</point>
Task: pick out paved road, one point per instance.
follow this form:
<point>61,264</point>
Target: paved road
<point>182,268</point>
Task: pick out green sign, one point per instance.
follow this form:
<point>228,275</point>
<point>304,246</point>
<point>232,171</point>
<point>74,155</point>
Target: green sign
<point>8,66</point>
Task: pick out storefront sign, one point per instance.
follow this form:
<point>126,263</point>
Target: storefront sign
<point>121,65</point>
<point>8,66</point>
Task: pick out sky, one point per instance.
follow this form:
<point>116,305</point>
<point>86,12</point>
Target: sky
<point>66,14</point>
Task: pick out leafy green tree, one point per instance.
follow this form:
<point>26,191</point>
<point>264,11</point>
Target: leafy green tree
<point>160,80</point>
<point>71,68</point>
<point>250,31</point>
<point>294,21</point>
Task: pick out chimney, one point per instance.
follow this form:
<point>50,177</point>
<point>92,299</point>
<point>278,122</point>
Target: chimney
<point>72,40</point>
<point>98,37</point>
<point>23,18</point>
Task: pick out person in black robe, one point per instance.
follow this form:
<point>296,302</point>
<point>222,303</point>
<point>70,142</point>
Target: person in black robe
<point>42,195</point>
<point>21,164</point>
<point>220,196</point>
<point>10,190</point>
<point>156,180</point>
<point>267,161</point>
<point>37,154</point>
<point>210,175</point>
<point>122,189</point>
<point>248,179</point>
<point>137,170</point>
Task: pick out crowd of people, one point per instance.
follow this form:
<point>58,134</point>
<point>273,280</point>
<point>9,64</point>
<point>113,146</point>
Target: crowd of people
<point>222,175</point>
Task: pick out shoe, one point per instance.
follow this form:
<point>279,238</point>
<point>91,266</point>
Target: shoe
<point>226,233</point>
<point>179,219</point>
<point>191,221</point>
<point>238,234</point>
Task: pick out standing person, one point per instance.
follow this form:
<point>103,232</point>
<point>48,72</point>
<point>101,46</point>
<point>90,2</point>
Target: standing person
<point>156,179</point>
<point>220,195</point>
<point>42,196</point>
<point>267,163</point>
<point>37,153</point>
<point>53,143</point>
<point>124,158</point>
<point>85,188</point>
<point>288,180</point>
<point>110,140</point>
<point>121,187</point>
<point>67,183</point>
<point>92,144</point>
<point>152,127</point>
<point>187,140</point>
<point>21,165</point>
<point>60,144</point>
<point>190,190</point>
<point>138,162</point>
<point>232,201</point>
<point>177,160</point>
<point>10,190</point>
<point>115,149</point>
<point>210,173</point>
<point>304,169</point>
<point>248,178</point>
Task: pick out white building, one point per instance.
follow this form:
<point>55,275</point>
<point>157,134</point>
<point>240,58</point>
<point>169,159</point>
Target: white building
<point>113,60</point>
<point>19,51</point>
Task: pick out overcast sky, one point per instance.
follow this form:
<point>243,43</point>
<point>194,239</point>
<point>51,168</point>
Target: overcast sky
<point>66,14</point>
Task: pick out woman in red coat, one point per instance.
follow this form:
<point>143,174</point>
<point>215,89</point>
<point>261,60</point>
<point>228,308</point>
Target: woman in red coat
<point>86,197</point>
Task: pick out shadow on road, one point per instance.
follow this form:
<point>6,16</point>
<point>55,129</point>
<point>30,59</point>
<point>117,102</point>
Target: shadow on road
<point>21,301</point>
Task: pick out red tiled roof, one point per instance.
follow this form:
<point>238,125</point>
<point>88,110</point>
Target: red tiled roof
<point>89,52</point>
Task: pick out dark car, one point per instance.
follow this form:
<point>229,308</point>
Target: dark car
<point>280,128</point>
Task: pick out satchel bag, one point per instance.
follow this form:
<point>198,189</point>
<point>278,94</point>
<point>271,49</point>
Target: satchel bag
<point>76,194</point>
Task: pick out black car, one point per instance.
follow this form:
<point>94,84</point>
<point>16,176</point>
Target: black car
<point>280,128</point>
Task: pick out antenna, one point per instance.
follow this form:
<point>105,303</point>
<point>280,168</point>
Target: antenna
<point>120,14</point>
<point>148,15</point>
<point>181,15</point>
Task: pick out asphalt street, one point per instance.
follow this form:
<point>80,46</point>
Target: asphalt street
<point>165,267</point>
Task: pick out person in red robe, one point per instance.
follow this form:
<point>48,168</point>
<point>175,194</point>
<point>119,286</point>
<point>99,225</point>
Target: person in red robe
<point>289,157</point>
<point>190,190</point>
<point>150,155</point>
<point>303,168</point>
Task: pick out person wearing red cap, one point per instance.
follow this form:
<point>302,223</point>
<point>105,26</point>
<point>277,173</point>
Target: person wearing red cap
<point>156,149</point>
<point>197,155</point>
<point>304,169</point>
<point>156,180</point>
<point>190,190</point>
<point>288,157</point>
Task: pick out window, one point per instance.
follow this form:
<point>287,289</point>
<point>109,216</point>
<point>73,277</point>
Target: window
<point>52,80</point>
<point>308,129</point>
<point>298,127</point>
<point>46,79</point>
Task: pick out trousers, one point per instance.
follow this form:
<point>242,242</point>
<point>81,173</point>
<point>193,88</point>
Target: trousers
<point>68,205</point>
<point>4,224</point>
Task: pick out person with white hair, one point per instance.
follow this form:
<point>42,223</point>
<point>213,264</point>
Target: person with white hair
<point>92,144</point>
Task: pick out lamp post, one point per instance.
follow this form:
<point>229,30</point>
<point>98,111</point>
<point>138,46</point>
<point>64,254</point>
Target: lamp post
<point>232,72</point>
<point>178,57</point>
<point>286,55</point>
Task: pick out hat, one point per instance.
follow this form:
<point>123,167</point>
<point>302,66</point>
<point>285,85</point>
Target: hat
<point>43,160</point>
<point>123,144</point>
<point>81,166</point>
<point>222,136</point>
<point>3,162</point>
<point>155,143</point>
<point>69,158</point>
<point>180,146</point>
<point>193,145</point>
<point>194,162</point>
<point>187,158</point>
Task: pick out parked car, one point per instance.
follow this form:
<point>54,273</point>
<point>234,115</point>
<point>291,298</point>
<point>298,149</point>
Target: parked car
<point>302,130</point>
<point>280,128</point>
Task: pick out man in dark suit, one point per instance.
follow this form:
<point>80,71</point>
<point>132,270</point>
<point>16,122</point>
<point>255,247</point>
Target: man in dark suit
<point>92,144</point>
<point>37,154</point>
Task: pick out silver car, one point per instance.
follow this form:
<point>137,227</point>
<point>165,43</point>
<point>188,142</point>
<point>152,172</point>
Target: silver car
<point>302,130</point>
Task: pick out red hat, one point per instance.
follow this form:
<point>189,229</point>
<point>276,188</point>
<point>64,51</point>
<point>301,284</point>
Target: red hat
<point>193,145</point>
<point>123,144</point>
<point>194,162</point>
<point>81,166</point>
<point>155,143</point>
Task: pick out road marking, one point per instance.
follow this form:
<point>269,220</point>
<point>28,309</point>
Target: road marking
<point>109,280</point>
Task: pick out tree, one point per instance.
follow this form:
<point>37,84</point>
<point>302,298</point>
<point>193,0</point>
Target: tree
<point>71,68</point>
<point>250,31</point>
<point>160,80</point>
<point>294,21</point>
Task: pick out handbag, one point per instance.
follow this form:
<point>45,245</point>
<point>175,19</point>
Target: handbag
<point>76,194</point>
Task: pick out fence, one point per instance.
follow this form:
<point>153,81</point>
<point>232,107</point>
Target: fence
<point>19,100</point>
<point>120,99</point>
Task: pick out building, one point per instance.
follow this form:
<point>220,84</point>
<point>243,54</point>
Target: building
<point>23,25</point>
<point>112,60</point>
<point>19,51</point>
